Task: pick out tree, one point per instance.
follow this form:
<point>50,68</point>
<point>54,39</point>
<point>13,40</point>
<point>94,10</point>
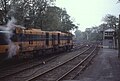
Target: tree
<point>52,18</point>
<point>103,27</point>
<point>111,20</point>
<point>56,18</point>
<point>78,34</point>
<point>22,9</point>
<point>118,1</point>
<point>4,7</point>
<point>94,34</point>
<point>36,13</point>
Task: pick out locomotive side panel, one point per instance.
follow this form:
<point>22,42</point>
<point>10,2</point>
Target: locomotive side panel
<point>35,40</point>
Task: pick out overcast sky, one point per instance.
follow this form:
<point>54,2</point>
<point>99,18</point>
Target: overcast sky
<point>89,13</point>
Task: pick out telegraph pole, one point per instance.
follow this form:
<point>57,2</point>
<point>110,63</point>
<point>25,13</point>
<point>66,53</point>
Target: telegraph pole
<point>119,38</point>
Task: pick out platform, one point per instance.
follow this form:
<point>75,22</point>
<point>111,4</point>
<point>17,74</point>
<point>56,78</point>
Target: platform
<point>105,67</point>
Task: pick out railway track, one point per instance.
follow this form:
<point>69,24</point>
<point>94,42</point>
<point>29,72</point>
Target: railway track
<point>16,76</point>
<point>32,64</point>
<point>6,67</point>
<point>77,69</point>
<point>20,62</point>
<point>51,74</point>
<point>17,71</point>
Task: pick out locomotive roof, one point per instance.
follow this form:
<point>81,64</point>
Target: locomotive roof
<point>33,31</point>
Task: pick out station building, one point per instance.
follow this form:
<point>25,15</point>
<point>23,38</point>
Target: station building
<point>109,38</point>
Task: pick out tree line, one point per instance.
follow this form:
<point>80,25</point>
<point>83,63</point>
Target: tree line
<point>41,14</point>
<point>96,33</point>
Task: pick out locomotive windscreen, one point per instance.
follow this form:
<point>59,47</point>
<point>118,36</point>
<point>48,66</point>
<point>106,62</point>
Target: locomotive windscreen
<point>3,38</point>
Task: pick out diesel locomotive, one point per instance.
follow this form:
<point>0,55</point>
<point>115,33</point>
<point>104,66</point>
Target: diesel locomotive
<point>33,41</point>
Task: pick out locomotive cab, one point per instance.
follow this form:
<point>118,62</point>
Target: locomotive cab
<point>3,44</point>
<point>8,41</point>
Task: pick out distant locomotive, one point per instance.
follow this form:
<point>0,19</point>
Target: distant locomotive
<point>35,41</point>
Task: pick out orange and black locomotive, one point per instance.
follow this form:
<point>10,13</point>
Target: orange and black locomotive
<point>35,41</point>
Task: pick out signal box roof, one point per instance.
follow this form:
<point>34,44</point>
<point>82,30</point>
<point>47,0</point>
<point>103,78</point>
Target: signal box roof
<point>110,30</point>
